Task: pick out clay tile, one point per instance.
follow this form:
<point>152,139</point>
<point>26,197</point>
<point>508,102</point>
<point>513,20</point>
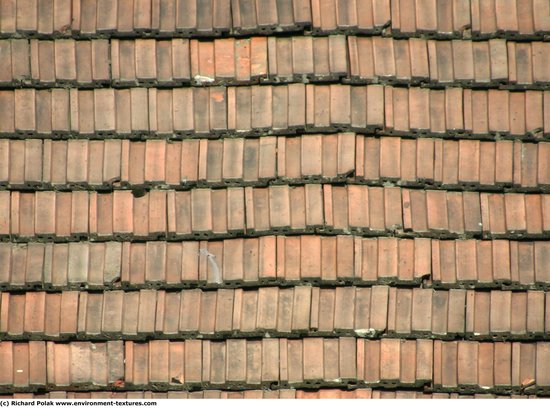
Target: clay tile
<point>463,61</point>
<point>543,351</point>
<point>390,148</point>
<point>541,254</point>
<point>504,158</point>
<point>123,68</point>
<point>80,213</point>
<point>248,316</point>
<point>540,59</point>
<point>376,208</point>
<point>95,163</point>
<point>112,312</point>
<point>234,219</point>
<point>141,213</point>
<point>8,113</point>
<point>60,111</point>
<point>37,363</point>
<point>540,23</point>
<point>507,17</point>
<point>421,310</point>
<point>159,361</point>
<point>408,160</point>
<point>501,303</point>
<point>340,208</point>
<point>262,107</point>
<point>449,372</point>
<point>302,56</point>
<point>122,212</point>
<point>313,360</point>
<point>243,60</point>
<point>84,62</point>
<point>139,110</point>
<point>233,151</point>
<point>5,161</point>
<point>503,363</point>
<point>136,158</point>
<point>112,161</point>
<point>236,360</point>
<point>65,60</point>
<point>325,15</point>
<point>45,213</point>
<point>535,312</point>
<point>201,210</point>
<point>93,311</point>
<point>220,211</point>
<point>17,162</point>
<point>104,111</point>
<point>361,57</point>
<point>33,162</point>
<point>145,54</point>
<point>164,61</point>
<point>101,69</point>
<point>409,358</point>
<point>106,16</point>
<point>280,57</point>
<point>27,212</point>
<point>157,213</point>
<point>472,212</point>
<point>443,58</point>
<point>155,152</point>
<point>77,161</point>
<point>179,213</point>
<point>21,365</point>
<point>437,210</point>
<point>499,60</point>
<point>25,115</point>
<point>456,317</point>
<point>280,113</point>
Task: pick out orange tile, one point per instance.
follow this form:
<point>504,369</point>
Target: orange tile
<point>344,309</point>
<point>418,209</point>
<point>390,148</point>
<point>376,208</point>
<point>313,359</point>
<point>437,211</point>
<point>17,162</point>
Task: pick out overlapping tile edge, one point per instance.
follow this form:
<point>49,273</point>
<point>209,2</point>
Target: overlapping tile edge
<point>271,60</point>
<point>164,18</point>
<point>288,228</point>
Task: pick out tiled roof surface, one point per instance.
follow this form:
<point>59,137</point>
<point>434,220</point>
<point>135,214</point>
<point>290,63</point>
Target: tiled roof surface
<point>281,312</point>
<point>274,199</point>
<point>150,62</point>
<point>258,110</point>
<point>310,362</point>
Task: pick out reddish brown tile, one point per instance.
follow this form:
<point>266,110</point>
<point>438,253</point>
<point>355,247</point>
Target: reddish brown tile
<point>418,210</point>
<point>437,211</point>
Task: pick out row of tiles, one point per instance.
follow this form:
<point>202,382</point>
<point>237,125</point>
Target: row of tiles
<point>291,393</point>
<point>283,109</point>
<point>273,59</point>
<point>233,211</point>
<point>456,18</point>
<point>301,310</point>
<point>269,260</point>
<point>103,164</point>
<point>310,362</point>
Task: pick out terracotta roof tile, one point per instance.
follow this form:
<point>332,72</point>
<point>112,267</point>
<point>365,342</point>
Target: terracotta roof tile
<point>214,18</point>
<point>214,100</point>
<point>272,247</point>
<point>325,393</point>
<point>503,270</point>
<point>466,314</point>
